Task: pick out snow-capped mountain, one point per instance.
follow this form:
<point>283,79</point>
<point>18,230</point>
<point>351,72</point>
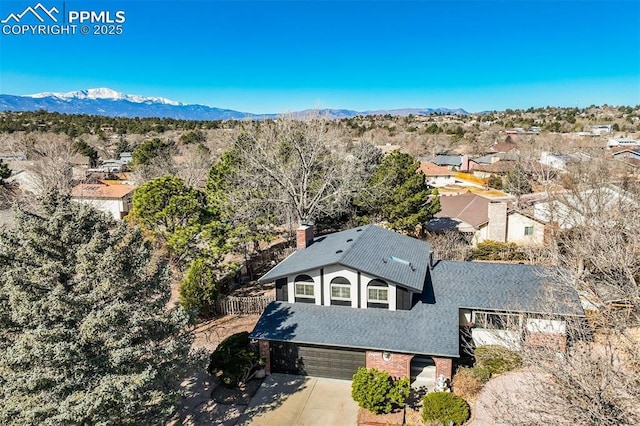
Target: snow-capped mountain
<point>105,93</point>
<point>111,103</point>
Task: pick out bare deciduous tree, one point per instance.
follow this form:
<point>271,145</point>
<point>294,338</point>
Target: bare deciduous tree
<point>194,165</point>
<point>298,167</point>
<point>596,381</point>
<point>48,166</point>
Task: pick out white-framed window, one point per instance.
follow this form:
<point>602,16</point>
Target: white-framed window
<point>497,320</point>
<point>304,286</point>
<point>528,230</point>
<point>341,291</point>
<point>378,294</point>
<point>305,290</point>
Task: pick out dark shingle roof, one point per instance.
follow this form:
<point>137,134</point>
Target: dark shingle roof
<point>371,249</point>
<point>431,327</point>
<point>501,286</point>
<point>444,160</point>
<point>419,331</point>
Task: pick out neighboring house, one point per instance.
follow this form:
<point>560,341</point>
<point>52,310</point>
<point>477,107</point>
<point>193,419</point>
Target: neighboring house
<point>627,153</point>
<point>567,210</point>
<point>495,157</point>
<point>451,162</point>
<point>630,157</point>
<point>481,219</point>
<point>626,142</point>
<point>557,161</point>
<point>113,199</point>
<point>437,176</point>
<point>503,147</point>
<point>500,168</point>
<point>601,129</point>
<point>126,157</point>
<point>370,297</point>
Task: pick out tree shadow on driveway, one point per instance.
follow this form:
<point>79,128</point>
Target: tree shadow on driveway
<point>275,390</point>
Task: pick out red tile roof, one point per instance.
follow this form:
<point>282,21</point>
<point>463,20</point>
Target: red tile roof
<point>88,190</point>
<point>431,169</point>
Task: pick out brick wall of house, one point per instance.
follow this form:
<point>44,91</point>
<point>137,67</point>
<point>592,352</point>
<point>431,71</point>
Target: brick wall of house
<point>444,366</point>
<point>555,341</point>
<point>263,348</point>
<point>398,365</point>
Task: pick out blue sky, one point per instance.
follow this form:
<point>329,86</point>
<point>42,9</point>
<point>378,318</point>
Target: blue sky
<point>266,56</point>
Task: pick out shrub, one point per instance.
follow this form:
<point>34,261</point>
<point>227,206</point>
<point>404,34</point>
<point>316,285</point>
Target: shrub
<point>466,383</point>
<point>495,182</point>
<point>199,288</point>
<point>444,407</point>
<point>377,392</point>
<point>494,250</point>
<point>481,373</point>
<point>236,358</point>
<point>497,359</point>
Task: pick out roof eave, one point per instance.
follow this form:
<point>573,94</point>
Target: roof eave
<point>371,348</point>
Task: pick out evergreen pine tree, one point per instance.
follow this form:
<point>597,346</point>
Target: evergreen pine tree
<point>85,333</point>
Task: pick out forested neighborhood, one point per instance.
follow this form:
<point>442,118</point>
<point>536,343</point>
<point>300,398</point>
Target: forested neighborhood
<point>455,268</point>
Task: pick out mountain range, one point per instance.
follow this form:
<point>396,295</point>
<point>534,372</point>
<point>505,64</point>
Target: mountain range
<point>108,102</point>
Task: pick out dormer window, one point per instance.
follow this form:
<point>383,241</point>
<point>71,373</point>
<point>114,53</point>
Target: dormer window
<point>340,291</point>
<point>304,289</point>
<point>377,294</point>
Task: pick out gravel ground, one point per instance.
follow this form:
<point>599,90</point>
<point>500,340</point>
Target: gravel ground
<point>513,388</point>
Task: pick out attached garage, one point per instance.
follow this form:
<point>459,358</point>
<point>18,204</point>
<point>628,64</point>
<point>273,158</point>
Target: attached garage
<point>320,361</point>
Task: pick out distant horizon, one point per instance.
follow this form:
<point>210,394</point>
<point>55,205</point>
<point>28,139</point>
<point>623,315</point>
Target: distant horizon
<point>423,107</point>
<point>271,57</point>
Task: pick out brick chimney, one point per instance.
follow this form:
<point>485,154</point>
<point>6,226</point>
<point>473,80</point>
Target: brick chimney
<point>304,236</point>
<point>464,166</point>
<point>497,228</point>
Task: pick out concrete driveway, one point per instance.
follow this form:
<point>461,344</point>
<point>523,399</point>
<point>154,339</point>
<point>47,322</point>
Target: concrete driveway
<point>296,400</point>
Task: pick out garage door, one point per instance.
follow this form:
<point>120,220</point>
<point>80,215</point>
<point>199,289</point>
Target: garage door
<point>320,361</point>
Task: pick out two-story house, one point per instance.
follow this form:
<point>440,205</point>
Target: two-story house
<point>372,297</point>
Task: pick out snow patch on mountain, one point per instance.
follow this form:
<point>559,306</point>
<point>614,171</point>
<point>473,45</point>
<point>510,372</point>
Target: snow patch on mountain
<point>105,93</point>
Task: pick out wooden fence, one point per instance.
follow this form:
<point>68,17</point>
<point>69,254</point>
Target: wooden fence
<point>251,305</point>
